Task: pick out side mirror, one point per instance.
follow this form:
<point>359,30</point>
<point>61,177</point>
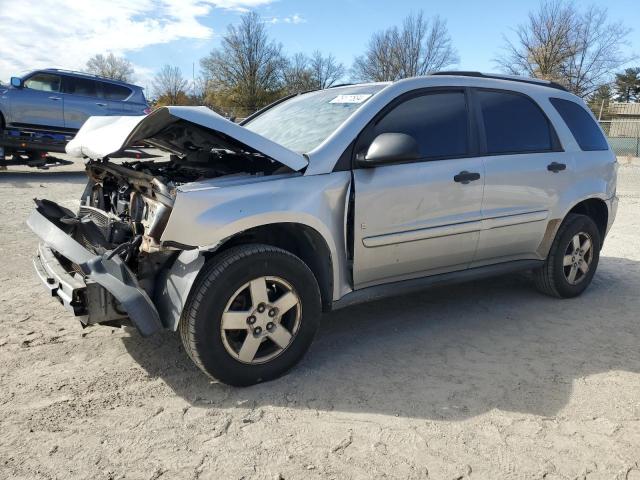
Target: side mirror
<point>390,148</point>
<point>16,82</point>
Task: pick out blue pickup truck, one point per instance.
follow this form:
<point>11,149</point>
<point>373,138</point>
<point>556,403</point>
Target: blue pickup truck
<point>43,109</point>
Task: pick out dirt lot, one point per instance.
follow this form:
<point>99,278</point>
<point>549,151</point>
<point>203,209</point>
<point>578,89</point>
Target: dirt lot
<point>484,380</point>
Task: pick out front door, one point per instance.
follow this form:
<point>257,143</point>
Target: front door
<point>81,101</point>
<point>39,103</point>
<point>419,218</point>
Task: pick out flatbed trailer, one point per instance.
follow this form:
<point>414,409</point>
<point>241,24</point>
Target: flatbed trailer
<point>32,147</point>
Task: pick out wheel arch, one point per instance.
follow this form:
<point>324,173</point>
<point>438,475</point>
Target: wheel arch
<point>597,210</point>
<point>593,207</point>
<point>299,239</point>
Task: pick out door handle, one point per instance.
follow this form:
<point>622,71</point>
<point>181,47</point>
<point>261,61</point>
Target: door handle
<point>556,167</point>
<point>101,104</point>
<point>55,98</point>
<point>465,177</point>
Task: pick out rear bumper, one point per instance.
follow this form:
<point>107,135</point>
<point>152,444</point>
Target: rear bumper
<point>106,290</point>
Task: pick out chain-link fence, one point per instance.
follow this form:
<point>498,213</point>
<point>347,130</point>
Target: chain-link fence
<point>623,136</point>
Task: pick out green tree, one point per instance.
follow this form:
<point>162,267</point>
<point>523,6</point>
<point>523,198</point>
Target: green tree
<point>599,102</point>
<point>628,85</point>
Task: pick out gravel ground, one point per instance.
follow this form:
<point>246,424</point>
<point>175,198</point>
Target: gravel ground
<point>482,380</point>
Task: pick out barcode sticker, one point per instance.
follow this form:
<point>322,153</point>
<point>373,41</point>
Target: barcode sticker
<point>351,98</point>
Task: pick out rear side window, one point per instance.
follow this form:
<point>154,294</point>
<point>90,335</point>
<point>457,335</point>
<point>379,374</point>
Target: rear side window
<point>43,82</point>
<point>80,86</point>
<point>582,126</point>
<point>438,122</point>
<point>513,123</point>
<point>115,92</point>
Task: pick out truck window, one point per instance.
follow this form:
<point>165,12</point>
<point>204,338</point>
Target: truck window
<point>115,92</point>
<point>583,127</point>
<point>44,82</point>
<point>513,123</point>
<point>80,86</point>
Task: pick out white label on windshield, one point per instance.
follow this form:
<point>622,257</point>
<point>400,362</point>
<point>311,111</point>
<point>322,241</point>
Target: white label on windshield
<point>351,98</point>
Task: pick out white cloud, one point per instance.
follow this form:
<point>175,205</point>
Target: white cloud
<point>66,33</point>
<point>294,19</point>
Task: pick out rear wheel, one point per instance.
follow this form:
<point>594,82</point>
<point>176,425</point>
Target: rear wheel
<point>252,314</point>
<point>572,260</point>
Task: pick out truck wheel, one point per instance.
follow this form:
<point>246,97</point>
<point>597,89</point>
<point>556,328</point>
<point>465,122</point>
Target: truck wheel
<point>572,260</point>
<point>252,314</point>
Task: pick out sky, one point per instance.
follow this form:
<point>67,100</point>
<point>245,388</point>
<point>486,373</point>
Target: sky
<point>152,33</point>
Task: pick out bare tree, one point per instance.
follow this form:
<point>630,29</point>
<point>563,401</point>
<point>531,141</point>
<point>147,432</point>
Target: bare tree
<point>558,42</point>
<point>419,47</point>
<point>170,87</point>
<point>297,75</point>
<point>325,71</point>
<point>378,64</point>
<point>248,64</point>
<point>110,66</point>
<point>302,73</point>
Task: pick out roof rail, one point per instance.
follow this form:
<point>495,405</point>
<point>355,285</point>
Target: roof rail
<point>85,74</point>
<point>513,78</point>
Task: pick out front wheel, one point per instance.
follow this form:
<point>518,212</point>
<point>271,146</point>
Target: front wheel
<point>572,260</point>
<point>252,314</point>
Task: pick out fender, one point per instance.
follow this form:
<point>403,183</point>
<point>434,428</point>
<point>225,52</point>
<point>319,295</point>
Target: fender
<point>206,217</point>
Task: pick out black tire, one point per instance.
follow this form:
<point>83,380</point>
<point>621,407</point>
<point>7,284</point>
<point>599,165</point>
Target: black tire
<point>222,276</point>
<point>551,279</point>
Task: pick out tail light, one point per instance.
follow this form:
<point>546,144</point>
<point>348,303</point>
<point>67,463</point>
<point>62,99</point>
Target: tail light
<point>147,111</point>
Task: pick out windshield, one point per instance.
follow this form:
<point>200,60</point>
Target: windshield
<point>305,121</point>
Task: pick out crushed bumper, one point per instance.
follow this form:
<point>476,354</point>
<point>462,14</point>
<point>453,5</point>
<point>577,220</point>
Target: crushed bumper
<point>103,279</point>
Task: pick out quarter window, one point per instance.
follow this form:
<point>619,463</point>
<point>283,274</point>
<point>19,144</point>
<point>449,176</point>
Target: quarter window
<point>43,82</point>
<point>438,121</point>
<point>513,123</point>
<point>115,92</point>
<point>583,127</point>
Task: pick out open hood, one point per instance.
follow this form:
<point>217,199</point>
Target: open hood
<point>168,128</point>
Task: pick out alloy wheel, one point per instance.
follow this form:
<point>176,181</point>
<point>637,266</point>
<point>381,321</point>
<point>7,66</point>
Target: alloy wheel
<point>577,258</point>
<point>261,320</point>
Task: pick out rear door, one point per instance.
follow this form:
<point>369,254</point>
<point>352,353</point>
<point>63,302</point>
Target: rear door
<point>114,96</point>
<point>39,102</point>
<point>81,100</point>
<point>416,219</point>
<point>525,173</point>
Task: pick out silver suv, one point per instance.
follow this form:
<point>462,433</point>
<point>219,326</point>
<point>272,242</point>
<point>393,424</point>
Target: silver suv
<point>245,234</point>
<point>61,100</point>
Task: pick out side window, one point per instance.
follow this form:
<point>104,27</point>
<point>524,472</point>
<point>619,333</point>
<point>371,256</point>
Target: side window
<point>80,86</point>
<point>44,82</point>
<point>583,127</point>
<point>115,92</point>
<point>513,123</point>
<point>438,121</point>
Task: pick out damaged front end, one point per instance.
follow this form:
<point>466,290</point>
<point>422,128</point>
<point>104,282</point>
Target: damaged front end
<point>92,282</point>
<point>106,264</point>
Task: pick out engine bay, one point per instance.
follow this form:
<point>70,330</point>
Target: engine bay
<point>130,201</point>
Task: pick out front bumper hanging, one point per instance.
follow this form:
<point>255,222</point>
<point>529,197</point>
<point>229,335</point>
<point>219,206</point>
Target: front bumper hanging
<point>88,295</point>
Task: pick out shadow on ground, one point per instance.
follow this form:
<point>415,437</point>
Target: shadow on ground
<point>26,179</point>
<point>447,353</point>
